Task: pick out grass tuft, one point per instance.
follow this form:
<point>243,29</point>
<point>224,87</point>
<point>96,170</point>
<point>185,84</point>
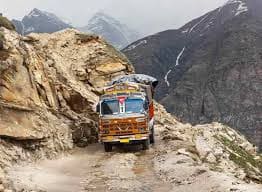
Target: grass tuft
<point>240,156</point>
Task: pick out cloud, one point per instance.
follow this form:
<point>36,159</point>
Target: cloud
<point>146,16</point>
<point>155,15</point>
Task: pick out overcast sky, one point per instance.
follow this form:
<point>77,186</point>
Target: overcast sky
<point>145,16</point>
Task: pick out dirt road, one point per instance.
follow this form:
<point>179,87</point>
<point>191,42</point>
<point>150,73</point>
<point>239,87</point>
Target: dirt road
<point>159,169</point>
<point>91,169</point>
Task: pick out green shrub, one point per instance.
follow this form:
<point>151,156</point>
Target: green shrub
<point>240,156</point>
<point>4,22</point>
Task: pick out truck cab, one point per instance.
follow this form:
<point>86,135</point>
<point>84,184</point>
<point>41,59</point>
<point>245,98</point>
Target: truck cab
<point>126,115</point>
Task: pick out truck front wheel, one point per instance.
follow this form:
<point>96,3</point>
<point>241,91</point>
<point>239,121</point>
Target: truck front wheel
<point>152,136</point>
<point>145,144</point>
<point>108,147</point>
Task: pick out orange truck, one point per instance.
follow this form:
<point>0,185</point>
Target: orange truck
<point>126,111</point>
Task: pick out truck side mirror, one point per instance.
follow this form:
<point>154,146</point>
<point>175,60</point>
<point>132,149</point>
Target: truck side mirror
<point>98,108</point>
<point>146,105</point>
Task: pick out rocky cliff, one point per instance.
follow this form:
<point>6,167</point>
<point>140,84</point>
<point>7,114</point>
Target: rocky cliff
<point>49,85</point>
<point>217,147</point>
<point>210,69</point>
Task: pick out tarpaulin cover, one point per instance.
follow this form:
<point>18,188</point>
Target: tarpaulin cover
<point>136,78</point>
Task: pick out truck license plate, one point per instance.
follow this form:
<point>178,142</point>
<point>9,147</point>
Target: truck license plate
<point>124,140</point>
<point>109,138</point>
<point>138,136</point>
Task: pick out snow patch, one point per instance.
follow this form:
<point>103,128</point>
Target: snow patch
<point>198,23</point>
<point>131,47</point>
<point>177,63</point>
<point>101,19</point>
<point>209,25</point>
<point>242,7</point>
<point>166,78</point>
<point>96,28</point>
<point>33,14</point>
<point>29,29</point>
<point>179,56</point>
<point>185,31</point>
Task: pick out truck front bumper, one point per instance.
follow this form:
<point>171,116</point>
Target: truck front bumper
<point>124,139</point>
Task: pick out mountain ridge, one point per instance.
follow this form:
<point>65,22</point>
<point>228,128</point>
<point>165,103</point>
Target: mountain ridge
<point>116,33</point>
<point>210,68</point>
<point>111,29</point>
<point>39,21</point>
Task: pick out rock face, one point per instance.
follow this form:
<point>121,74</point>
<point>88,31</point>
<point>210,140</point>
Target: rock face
<point>59,72</point>
<point>211,68</point>
<point>49,86</point>
<point>112,30</point>
<point>212,152</point>
<point>38,21</point>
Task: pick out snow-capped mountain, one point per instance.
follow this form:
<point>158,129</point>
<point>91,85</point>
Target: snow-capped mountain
<point>210,69</point>
<point>112,30</point>
<point>40,22</point>
<point>117,34</point>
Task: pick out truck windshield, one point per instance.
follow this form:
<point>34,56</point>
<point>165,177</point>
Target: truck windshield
<point>134,105</point>
<point>109,107</point>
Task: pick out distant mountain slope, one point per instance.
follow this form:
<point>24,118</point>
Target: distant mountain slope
<point>40,22</point>
<point>112,30</point>
<point>211,68</point>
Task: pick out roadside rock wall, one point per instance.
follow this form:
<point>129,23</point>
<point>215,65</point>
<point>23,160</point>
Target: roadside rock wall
<point>214,148</point>
<point>49,86</point>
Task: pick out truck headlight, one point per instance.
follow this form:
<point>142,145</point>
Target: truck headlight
<point>105,121</point>
<point>140,120</point>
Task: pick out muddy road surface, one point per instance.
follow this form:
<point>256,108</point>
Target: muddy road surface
<point>166,167</point>
<point>91,169</point>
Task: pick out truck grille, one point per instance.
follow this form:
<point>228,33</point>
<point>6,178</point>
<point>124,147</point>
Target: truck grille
<point>124,128</point>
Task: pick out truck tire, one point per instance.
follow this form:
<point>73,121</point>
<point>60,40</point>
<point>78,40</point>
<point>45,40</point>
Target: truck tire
<point>108,147</point>
<point>145,144</point>
<point>152,136</point>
